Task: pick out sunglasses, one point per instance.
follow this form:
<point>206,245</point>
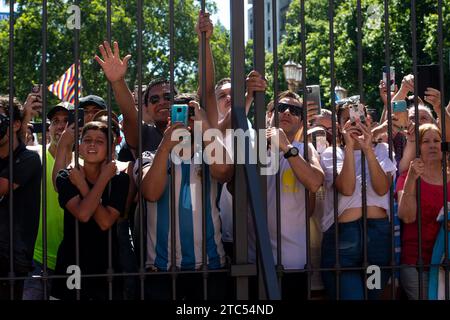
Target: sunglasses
<point>156,98</point>
<point>294,110</point>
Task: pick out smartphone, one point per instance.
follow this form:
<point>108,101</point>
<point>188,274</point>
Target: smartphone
<point>36,90</point>
<point>314,95</point>
<point>38,127</point>
<point>357,112</point>
<point>80,117</point>
<point>400,110</point>
<point>179,113</point>
<point>392,73</point>
<point>428,77</point>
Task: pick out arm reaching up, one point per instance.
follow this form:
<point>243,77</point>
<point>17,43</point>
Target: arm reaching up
<point>115,69</point>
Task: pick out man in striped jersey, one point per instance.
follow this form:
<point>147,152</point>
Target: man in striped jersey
<point>188,214</point>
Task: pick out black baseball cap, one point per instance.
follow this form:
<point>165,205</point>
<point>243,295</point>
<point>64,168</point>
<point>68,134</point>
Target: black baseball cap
<point>92,100</point>
<point>62,106</point>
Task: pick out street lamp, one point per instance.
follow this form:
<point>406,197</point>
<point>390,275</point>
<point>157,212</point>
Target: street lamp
<point>340,92</point>
<point>293,75</point>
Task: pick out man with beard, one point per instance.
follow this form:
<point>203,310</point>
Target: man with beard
<point>26,183</point>
<point>34,288</point>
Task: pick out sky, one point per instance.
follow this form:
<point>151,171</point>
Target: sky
<point>223,14</point>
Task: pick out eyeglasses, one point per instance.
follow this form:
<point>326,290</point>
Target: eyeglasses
<point>294,110</point>
<point>156,98</point>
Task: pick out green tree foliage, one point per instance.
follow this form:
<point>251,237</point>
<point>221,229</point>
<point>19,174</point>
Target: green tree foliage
<point>60,45</point>
<point>345,36</point>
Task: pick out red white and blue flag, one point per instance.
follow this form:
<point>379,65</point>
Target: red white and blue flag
<point>64,88</point>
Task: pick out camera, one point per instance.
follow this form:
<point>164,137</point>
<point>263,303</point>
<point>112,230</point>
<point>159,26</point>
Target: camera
<point>4,124</point>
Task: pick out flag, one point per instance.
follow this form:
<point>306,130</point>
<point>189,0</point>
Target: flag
<point>64,88</point>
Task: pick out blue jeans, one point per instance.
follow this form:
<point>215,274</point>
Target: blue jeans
<point>351,254</point>
<point>33,289</point>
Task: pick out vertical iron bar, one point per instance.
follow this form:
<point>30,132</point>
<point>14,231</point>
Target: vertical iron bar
<point>139,159</point>
<point>259,103</point>
<point>334,130</point>
<point>279,266</point>
<point>416,119</point>
<point>390,138</point>
<point>238,112</point>
<point>363,158</point>
<point>11,274</point>
<point>204,186</point>
<point>305,142</point>
<point>77,131</point>
<point>444,155</point>
<point>110,270</point>
<point>240,196</point>
<point>44,149</point>
<point>172,166</point>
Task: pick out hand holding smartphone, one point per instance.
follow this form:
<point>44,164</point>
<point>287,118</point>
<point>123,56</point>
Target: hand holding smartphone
<point>400,111</point>
<point>392,77</point>
<point>181,113</point>
<point>357,112</point>
<point>314,95</point>
<point>71,119</point>
<point>428,77</point>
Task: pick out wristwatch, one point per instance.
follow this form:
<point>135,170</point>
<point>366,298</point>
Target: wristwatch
<point>292,152</point>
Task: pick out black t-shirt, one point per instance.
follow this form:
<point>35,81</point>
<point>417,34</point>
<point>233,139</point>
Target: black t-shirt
<point>151,137</point>
<point>26,208</point>
<point>93,242</point>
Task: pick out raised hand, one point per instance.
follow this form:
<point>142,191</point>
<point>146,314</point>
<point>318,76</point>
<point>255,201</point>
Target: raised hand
<point>113,66</point>
<point>204,24</point>
<point>255,83</point>
<point>367,136</point>
<point>168,142</point>
<point>383,92</point>
<point>350,133</point>
<point>67,137</point>
<point>407,84</point>
<point>433,97</point>
<point>411,132</point>
<point>32,106</point>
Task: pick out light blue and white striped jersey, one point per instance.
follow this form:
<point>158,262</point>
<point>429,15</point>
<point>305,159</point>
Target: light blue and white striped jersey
<point>188,215</point>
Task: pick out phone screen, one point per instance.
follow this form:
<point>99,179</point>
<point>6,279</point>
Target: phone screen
<point>428,77</point>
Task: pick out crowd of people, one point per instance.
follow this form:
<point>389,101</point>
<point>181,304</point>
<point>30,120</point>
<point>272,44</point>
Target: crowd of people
<point>92,210</point>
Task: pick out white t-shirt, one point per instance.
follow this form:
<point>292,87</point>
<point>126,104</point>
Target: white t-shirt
<point>355,200</point>
<point>293,213</point>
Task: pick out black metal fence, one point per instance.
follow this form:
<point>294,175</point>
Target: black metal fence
<point>249,186</point>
